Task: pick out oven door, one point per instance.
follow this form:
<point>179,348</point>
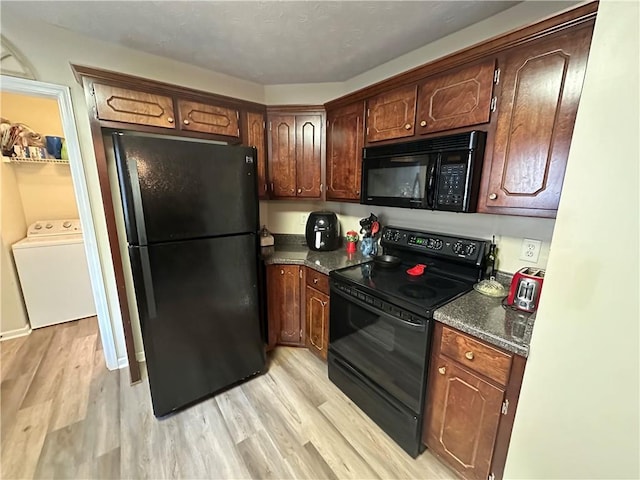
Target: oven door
<point>386,344</point>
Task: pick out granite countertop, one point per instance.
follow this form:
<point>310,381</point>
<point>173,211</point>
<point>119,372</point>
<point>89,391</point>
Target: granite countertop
<point>476,314</point>
<point>485,318</point>
<point>291,249</point>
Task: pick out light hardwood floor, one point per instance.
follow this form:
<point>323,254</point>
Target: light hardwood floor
<point>64,415</point>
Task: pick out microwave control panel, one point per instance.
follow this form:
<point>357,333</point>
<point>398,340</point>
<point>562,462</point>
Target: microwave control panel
<point>452,185</point>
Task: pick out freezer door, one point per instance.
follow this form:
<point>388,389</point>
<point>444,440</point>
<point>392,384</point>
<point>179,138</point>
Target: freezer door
<point>198,307</point>
<point>174,190</point>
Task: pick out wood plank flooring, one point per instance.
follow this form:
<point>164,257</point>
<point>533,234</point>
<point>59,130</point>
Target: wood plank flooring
<point>64,415</point>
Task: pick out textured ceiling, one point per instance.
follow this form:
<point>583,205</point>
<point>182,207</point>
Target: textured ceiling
<point>266,42</point>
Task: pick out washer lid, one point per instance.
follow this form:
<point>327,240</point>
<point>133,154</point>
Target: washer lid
<point>48,241</point>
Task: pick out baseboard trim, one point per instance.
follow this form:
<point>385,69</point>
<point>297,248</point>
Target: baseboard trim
<point>20,332</point>
<point>124,361</point>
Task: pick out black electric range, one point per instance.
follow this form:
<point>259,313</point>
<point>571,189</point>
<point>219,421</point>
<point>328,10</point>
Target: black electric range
<point>381,323</point>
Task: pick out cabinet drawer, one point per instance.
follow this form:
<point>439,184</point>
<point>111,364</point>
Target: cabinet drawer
<point>318,280</point>
<point>205,118</point>
<point>130,106</point>
<point>476,355</point>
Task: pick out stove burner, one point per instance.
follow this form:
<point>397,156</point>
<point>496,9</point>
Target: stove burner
<point>440,283</point>
<point>417,291</point>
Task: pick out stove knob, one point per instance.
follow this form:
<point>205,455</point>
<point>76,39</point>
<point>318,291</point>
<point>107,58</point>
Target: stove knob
<point>66,224</point>
<point>457,248</point>
<point>470,249</point>
<point>37,226</point>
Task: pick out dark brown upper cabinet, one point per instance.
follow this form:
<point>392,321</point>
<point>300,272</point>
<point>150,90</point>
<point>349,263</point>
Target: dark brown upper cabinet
<point>206,118</point>
<point>540,90</point>
<point>256,137</point>
<point>345,137</point>
<point>295,154</point>
<point>125,105</point>
<point>458,99</point>
<point>392,114</point>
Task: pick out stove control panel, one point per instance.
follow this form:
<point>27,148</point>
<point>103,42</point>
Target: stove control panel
<point>435,244</point>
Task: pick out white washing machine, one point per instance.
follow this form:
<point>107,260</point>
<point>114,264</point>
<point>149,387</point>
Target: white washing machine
<point>53,271</point>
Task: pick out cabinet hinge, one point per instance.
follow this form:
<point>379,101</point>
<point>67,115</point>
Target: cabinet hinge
<point>238,134</point>
<point>264,126</point>
<point>269,126</point>
<point>496,76</point>
<point>367,113</point>
<point>300,333</point>
<point>237,115</point>
<point>300,273</point>
<point>494,102</point>
<point>367,130</point>
<point>505,407</point>
<point>491,477</point>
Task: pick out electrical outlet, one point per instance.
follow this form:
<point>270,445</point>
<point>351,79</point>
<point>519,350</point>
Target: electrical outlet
<point>530,250</point>
<point>303,219</point>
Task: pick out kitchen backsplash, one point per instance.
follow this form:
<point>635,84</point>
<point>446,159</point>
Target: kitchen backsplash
<point>290,217</point>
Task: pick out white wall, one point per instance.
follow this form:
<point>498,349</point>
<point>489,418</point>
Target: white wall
<point>50,50</point>
<point>578,415</point>
<point>302,94</point>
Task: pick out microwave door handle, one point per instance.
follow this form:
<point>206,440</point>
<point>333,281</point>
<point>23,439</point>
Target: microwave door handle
<point>431,180</point>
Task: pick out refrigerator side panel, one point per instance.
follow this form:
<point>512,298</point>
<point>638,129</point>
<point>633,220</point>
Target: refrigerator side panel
<point>199,311</point>
<point>191,189</point>
<point>127,192</point>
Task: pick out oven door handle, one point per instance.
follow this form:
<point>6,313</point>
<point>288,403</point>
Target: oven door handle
<point>417,327</point>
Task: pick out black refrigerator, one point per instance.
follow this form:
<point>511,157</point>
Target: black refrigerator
<point>191,217</point>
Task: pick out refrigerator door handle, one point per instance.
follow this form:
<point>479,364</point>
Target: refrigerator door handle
<point>145,264</point>
<point>136,199</point>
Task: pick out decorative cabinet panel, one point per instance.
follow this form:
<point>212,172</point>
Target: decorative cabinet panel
<point>117,104</point>
<point>283,305</point>
<point>205,118</point>
<point>464,412</point>
<point>457,99</point>
<point>345,137</point>
<point>295,155</point>
<point>471,398</point>
<point>317,322</point>
<point>541,86</point>
<point>392,114</point>
<point>255,137</point>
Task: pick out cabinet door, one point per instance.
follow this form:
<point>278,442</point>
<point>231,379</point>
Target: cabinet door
<point>345,136</point>
<point>205,118</point>
<point>541,86</point>
<point>283,297</point>
<point>392,114</point>
<point>462,416</point>
<point>130,106</point>
<point>308,155</point>
<point>317,322</point>
<point>256,138</point>
<point>282,155</point>
<point>457,99</point>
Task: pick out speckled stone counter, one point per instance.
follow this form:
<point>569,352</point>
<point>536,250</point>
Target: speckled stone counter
<point>290,249</point>
<point>485,318</point>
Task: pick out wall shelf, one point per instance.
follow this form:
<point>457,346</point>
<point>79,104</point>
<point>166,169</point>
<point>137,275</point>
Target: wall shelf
<point>34,160</point>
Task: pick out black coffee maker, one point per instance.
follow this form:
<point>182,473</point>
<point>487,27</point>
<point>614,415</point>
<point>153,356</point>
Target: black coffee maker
<point>323,231</point>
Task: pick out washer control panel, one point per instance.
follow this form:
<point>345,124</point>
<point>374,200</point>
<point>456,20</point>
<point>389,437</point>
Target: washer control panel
<point>43,228</point>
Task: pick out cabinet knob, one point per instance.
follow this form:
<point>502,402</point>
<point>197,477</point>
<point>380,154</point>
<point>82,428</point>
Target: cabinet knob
<point>358,192</point>
<point>281,272</point>
<point>423,123</point>
<point>469,355</point>
<point>186,122</point>
<point>315,280</point>
<point>293,190</point>
<point>493,196</point>
<point>299,190</point>
<point>170,119</point>
<point>407,126</point>
<point>442,370</point>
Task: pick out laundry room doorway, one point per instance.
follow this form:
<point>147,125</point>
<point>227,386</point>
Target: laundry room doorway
<point>51,273</point>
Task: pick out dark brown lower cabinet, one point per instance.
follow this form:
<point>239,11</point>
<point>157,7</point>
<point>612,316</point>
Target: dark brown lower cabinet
<point>283,305</point>
<point>469,416</point>
<point>317,322</point>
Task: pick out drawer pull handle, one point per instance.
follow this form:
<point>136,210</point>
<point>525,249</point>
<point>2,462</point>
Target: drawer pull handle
<point>442,370</point>
<point>469,355</point>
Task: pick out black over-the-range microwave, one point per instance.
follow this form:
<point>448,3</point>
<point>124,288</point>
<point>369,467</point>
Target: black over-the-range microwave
<point>440,173</point>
